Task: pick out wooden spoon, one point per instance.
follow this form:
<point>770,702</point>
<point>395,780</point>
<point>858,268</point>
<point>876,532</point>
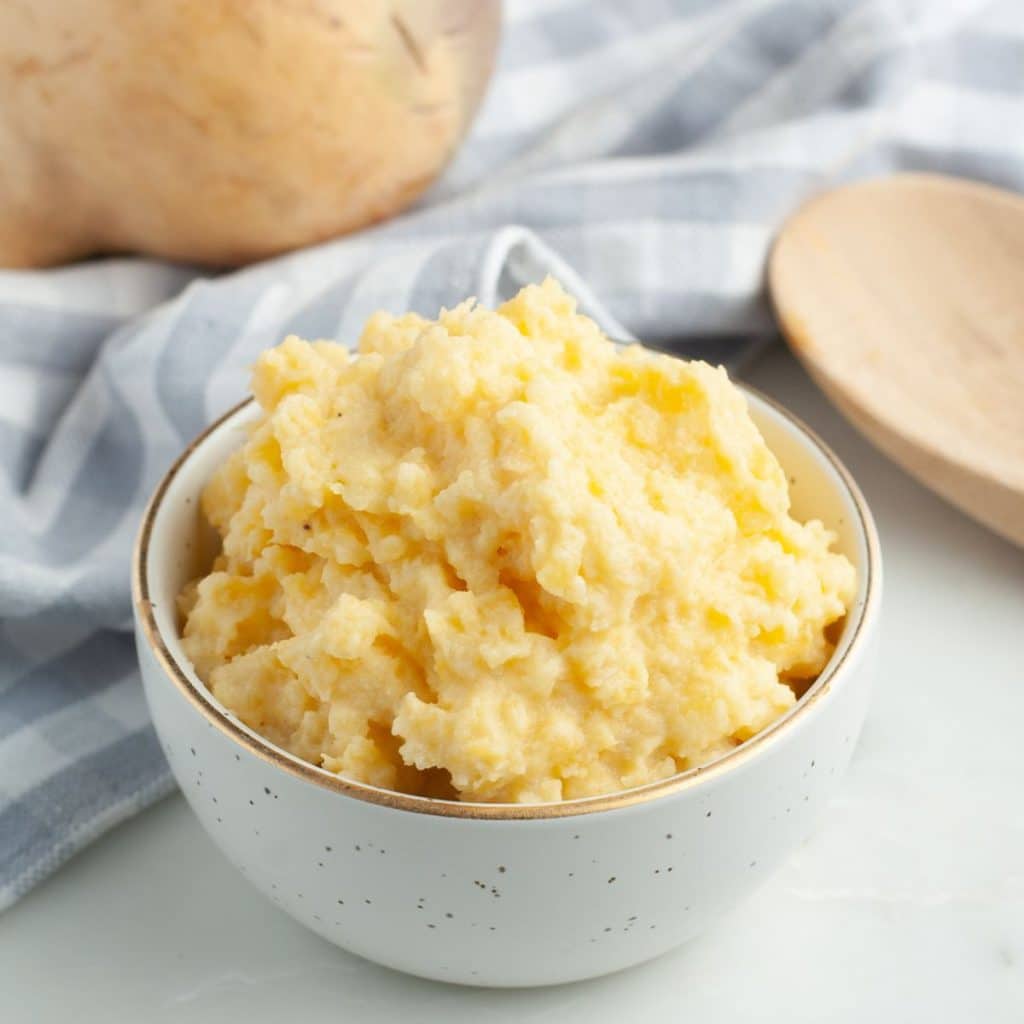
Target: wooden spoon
<point>904,298</point>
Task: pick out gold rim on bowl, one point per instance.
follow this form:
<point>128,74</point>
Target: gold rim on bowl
<point>197,695</point>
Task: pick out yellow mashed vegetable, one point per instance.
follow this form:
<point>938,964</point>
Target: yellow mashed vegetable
<point>496,557</point>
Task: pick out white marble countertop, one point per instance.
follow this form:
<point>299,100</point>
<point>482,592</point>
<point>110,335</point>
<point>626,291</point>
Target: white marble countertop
<point>907,905</point>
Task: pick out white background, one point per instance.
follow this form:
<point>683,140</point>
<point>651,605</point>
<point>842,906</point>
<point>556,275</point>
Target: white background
<point>907,905</point>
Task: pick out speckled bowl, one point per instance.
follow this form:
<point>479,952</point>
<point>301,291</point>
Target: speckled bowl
<point>487,894</point>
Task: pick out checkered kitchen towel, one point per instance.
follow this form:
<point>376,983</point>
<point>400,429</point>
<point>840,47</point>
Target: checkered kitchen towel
<point>649,149</point>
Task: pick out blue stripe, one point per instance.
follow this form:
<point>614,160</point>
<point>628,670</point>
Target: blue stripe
<point>102,488</point>
<point>39,831</point>
<point>53,339</point>
<point>735,72</point>
<point>83,672</point>
<point>19,453</point>
<point>319,317</point>
<point>206,328</point>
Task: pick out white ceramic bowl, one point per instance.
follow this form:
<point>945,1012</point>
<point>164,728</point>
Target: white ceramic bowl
<point>488,894</point>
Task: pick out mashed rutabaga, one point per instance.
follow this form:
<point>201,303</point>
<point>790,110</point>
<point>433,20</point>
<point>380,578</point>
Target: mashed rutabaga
<point>496,557</point>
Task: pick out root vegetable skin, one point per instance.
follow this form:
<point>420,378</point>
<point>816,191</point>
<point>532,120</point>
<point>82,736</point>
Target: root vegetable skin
<point>224,131</point>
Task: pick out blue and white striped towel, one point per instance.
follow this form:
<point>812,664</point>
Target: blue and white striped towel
<point>648,149</point>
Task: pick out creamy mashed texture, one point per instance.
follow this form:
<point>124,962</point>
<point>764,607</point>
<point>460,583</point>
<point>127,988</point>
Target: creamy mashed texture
<point>495,557</point>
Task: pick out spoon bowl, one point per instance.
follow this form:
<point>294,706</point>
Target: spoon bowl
<point>904,299</point>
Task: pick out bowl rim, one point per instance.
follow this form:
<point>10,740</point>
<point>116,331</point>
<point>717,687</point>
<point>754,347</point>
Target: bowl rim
<point>204,702</point>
